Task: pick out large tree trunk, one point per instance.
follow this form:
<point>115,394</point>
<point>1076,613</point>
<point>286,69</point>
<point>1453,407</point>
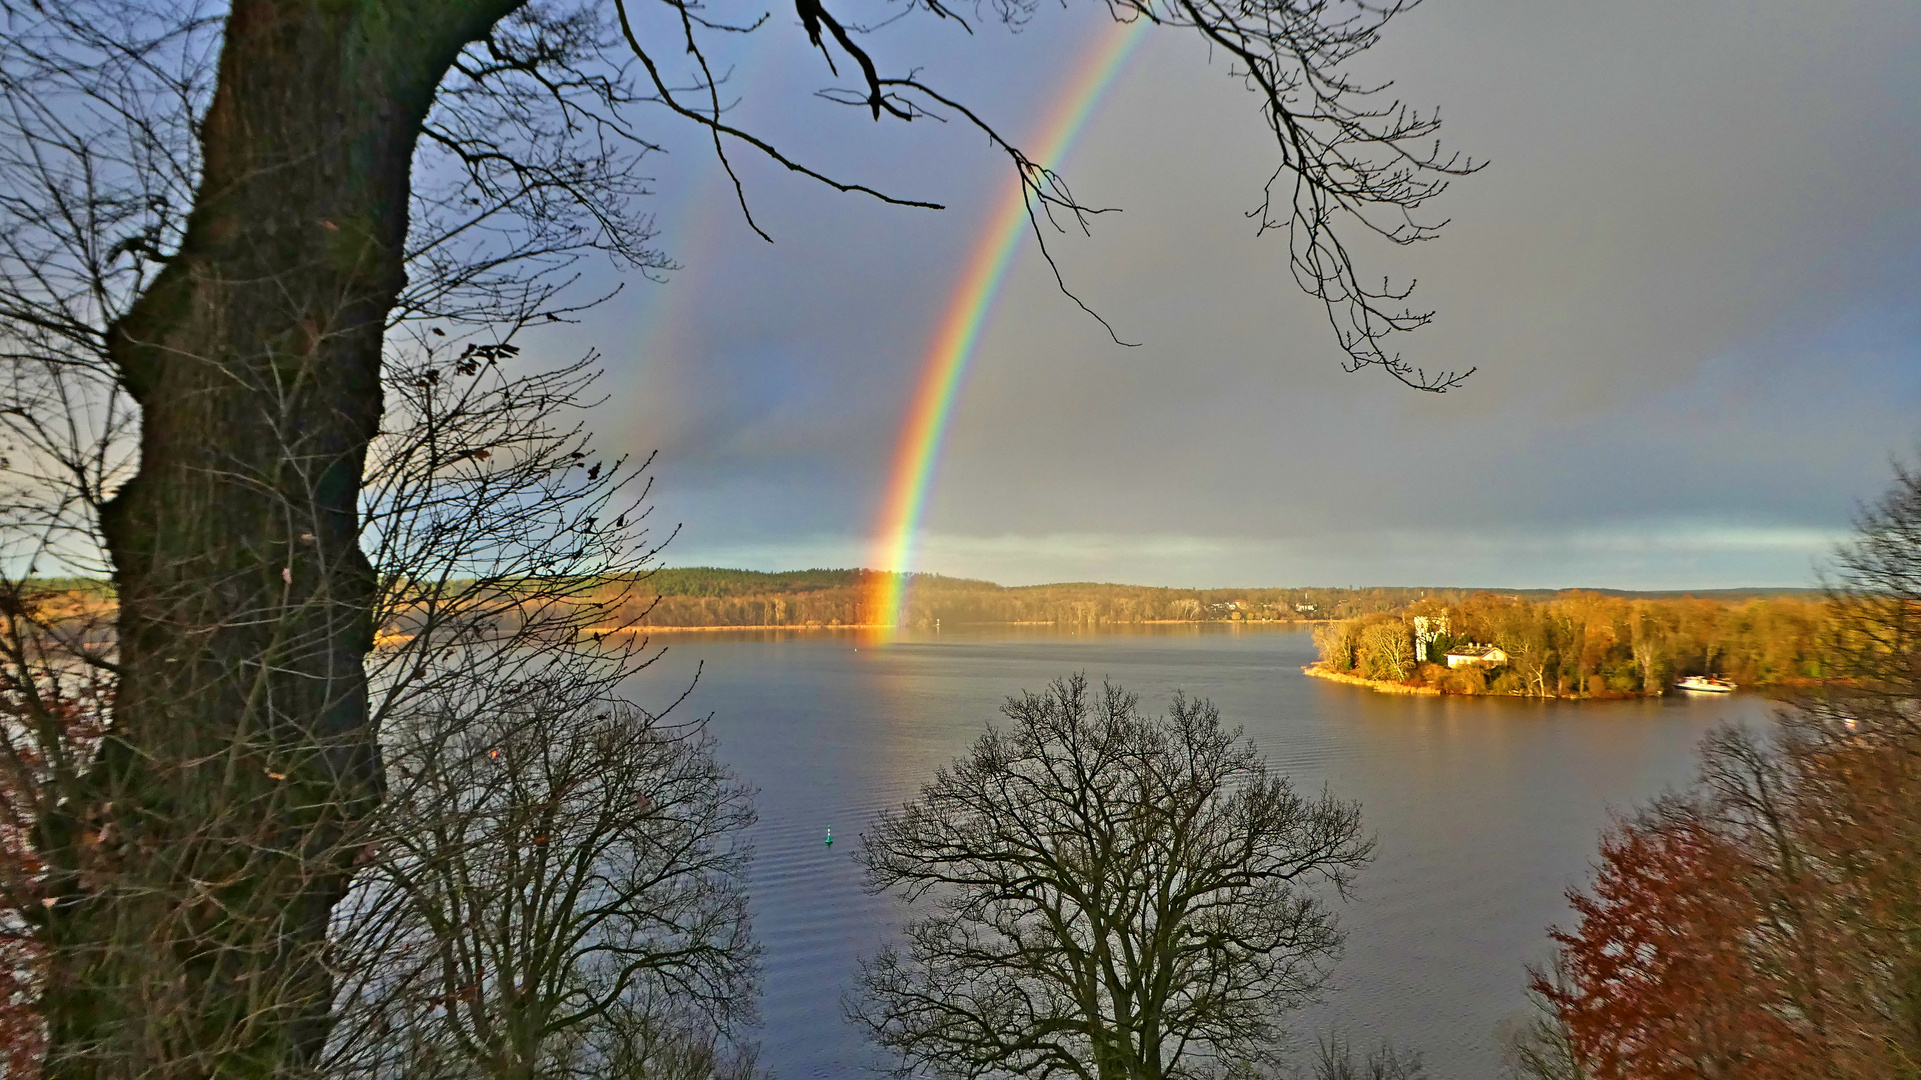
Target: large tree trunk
<point>194,882</point>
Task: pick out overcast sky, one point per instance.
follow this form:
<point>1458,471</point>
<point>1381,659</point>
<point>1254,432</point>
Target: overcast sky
<point>1686,281</point>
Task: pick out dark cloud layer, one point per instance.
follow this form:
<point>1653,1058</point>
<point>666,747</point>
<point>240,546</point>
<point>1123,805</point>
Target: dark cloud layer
<point>1686,281</point>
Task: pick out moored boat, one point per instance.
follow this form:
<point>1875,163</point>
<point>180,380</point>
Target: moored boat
<point>1706,684</point>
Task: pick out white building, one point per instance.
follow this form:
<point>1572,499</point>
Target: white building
<point>1475,656</point>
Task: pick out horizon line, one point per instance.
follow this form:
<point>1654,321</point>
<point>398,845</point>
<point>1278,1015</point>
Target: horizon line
<point>1228,588</point>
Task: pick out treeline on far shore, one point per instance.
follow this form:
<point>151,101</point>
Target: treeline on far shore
<point>710,597</point>
<point>707,597</point>
<point>1582,644</point>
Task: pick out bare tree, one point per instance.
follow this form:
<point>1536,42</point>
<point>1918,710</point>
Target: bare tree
<point>536,825</point>
<point>220,220</point>
<point>506,552</point>
<point>498,540</point>
<point>1764,923</point>
<point>555,883</point>
<point>1104,895</point>
<point>503,543</point>
<point>1387,650</point>
<point>1535,1042</point>
<point>1874,646</point>
<point>1336,1058</point>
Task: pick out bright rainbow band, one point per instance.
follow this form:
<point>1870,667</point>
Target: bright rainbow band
<point>952,349</point>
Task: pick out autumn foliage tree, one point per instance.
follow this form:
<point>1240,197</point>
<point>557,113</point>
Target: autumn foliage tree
<point>1661,983</point>
<point>1768,923</point>
<point>1580,643</point>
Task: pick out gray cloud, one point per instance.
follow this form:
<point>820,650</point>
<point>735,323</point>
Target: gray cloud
<point>1685,281</point>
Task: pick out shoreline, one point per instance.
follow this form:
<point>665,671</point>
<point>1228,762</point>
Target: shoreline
<point>1316,671</point>
<point>1379,686</point>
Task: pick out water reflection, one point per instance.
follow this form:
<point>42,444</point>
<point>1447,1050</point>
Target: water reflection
<point>1485,809</point>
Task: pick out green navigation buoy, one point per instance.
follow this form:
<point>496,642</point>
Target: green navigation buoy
<point>830,838</point>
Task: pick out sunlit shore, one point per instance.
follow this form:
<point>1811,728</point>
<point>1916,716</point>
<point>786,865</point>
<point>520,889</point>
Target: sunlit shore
<point>1379,686</point>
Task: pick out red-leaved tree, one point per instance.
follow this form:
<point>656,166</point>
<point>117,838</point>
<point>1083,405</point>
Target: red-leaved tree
<point>1769,924</point>
<point>1661,980</point>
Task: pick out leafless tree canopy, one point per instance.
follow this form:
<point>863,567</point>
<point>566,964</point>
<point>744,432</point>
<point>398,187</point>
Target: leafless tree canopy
<point>1875,590</point>
<point>259,263</point>
<point>1337,1058</point>
<point>555,885</point>
<point>1104,895</point>
<point>1351,159</point>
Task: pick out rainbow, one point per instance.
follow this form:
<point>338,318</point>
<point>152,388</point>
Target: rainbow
<point>954,342</point>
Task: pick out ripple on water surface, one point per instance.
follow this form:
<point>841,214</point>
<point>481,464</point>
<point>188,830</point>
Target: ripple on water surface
<point>1485,810</point>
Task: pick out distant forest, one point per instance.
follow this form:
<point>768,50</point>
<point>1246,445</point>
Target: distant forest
<point>1586,644</point>
<point>708,597</point>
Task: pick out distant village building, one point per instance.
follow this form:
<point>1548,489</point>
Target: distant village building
<point>1306,609</point>
<point>1475,656</point>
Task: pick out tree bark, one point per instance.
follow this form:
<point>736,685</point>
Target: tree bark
<point>193,880</point>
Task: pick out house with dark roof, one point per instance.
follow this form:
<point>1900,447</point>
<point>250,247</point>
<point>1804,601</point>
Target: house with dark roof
<point>1462,656</point>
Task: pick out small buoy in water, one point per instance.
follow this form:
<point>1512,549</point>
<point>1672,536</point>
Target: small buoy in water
<point>830,838</point>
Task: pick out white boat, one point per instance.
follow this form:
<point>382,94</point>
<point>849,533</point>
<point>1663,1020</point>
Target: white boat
<point>1706,684</point>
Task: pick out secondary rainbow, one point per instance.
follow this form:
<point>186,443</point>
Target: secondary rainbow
<point>954,342</point>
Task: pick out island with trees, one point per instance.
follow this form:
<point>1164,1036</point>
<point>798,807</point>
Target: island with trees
<point>1577,643</point>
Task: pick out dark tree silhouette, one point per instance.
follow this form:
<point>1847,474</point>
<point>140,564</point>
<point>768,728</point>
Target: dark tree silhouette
<point>216,223</point>
<point>1112,897</point>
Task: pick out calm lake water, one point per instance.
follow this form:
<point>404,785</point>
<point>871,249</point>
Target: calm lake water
<point>1485,810</point>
